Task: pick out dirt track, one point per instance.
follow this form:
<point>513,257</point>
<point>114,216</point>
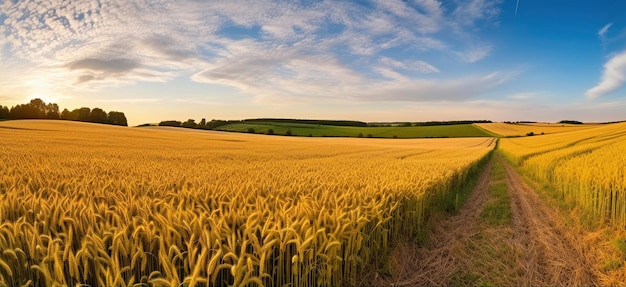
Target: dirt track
<point>549,257</point>
<point>464,250</point>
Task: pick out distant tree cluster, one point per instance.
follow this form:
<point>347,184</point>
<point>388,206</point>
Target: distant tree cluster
<point>191,123</point>
<point>431,123</point>
<point>448,123</point>
<point>614,122</point>
<point>520,122</point>
<point>38,109</point>
<point>4,113</point>
<point>313,122</point>
<point>570,122</point>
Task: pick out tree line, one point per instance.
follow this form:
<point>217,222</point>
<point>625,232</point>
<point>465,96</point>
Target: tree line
<point>213,124</point>
<point>38,109</point>
<point>313,122</point>
<point>571,122</point>
<point>191,123</point>
<point>430,123</point>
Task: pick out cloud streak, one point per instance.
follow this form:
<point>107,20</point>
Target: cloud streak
<point>602,32</point>
<point>292,51</point>
<point>118,65</point>
<point>613,77</point>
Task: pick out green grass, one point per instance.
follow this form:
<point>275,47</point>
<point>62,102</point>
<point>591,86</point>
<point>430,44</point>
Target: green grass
<point>489,249</point>
<point>497,210</point>
<point>620,244</point>
<point>612,264</point>
<point>491,134</point>
<point>465,130</point>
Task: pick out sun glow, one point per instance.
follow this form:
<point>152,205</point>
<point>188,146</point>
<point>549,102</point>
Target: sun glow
<point>44,96</point>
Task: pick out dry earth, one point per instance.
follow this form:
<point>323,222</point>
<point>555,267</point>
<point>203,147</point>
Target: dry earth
<point>464,249</point>
<point>549,258</point>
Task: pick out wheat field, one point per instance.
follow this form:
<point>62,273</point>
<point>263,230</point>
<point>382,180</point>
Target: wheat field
<point>586,168</point>
<point>522,129</point>
<point>112,206</point>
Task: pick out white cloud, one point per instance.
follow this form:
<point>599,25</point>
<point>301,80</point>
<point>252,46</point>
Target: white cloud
<point>289,77</point>
<point>320,50</point>
<point>602,32</point>
<point>423,90</point>
<point>527,95</point>
<point>474,54</point>
<point>469,12</point>
<point>613,77</point>
<point>411,65</point>
<point>129,100</point>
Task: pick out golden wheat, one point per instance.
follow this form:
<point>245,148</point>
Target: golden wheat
<point>522,129</point>
<point>583,167</point>
<point>102,205</point>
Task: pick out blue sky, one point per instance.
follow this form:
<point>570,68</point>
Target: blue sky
<point>383,60</point>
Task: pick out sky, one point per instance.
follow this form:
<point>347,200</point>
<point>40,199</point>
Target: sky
<point>380,60</point>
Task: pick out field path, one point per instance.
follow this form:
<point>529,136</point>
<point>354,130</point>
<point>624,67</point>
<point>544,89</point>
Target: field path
<point>549,258</point>
<point>465,249</point>
<point>432,266</point>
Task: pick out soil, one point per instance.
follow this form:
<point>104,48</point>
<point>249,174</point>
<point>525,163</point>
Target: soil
<point>548,255</point>
<point>466,250</point>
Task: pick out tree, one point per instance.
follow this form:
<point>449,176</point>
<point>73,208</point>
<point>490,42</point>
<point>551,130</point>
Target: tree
<point>202,124</point>
<point>98,115</point>
<point>117,118</point>
<point>270,131</point>
<point>216,123</point>
<point>288,132</point>
<point>4,112</point>
<point>83,114</point>
<point>26,111</point>
<point>190,123</point>
<point>53,115</point>
<point>66,115</point>
<point>170,124</point>
<point>52,111</point>
<point>38,108</point>
<point>570,122</point>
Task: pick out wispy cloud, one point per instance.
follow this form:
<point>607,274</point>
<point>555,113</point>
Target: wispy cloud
<point>317,50</point>
<point>129,100</point>
<point>413,65</point>
<point>474,54</point>
<point>613,77</point>
<point>119,65</point>
<point>470,12</point>
<point>429,90</point>
<point>602,33</point>
<point>527,95</point>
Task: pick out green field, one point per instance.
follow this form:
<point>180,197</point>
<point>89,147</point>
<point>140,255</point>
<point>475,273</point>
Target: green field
<point>465,130</point>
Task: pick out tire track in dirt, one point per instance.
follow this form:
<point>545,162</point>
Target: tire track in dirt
<point>533,250</point>
<point>548,256</point>
<point>433,265</point>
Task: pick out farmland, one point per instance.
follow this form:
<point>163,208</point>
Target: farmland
<point>584,168</point>
<point>522,129</point>
<point>439,131</point>
<point>112,206</point>
<point>162,206</point>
